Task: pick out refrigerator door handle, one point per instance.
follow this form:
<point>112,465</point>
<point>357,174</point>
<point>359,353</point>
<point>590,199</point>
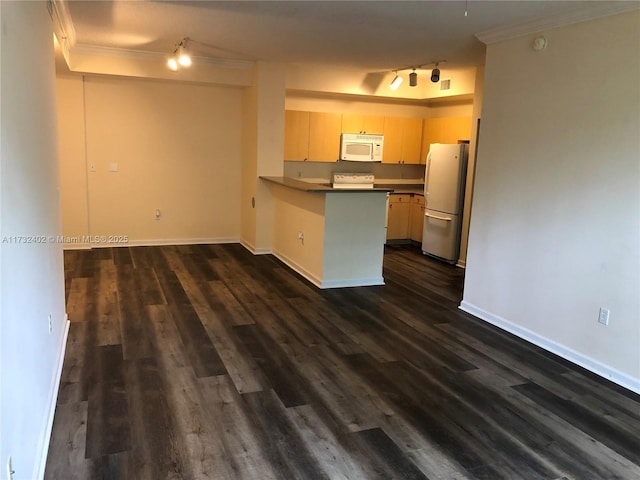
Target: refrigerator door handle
<point>438,218</point>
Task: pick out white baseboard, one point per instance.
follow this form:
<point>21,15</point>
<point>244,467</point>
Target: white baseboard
<point>253,249</point>
<point>154,243</point>
<point>45,436</point>
<point>567,353</point>
<point>461,263</point>
<point>352,282</point>
<point>299,269</point>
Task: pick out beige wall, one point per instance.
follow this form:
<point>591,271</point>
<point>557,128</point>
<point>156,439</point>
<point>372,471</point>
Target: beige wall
<point>299,212</point>
<point>31,272</point>
<point>177,147</point>
<point>71,147</point>
<point>556,213</point>
<point>262,154</point>
<point>323,103</point>
<point>343,235</point>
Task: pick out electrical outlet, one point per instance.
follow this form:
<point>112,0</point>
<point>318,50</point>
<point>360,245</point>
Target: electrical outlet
<point>50,324</point>
<point>603,318</point>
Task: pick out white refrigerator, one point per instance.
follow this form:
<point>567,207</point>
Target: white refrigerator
<point>444,186</point>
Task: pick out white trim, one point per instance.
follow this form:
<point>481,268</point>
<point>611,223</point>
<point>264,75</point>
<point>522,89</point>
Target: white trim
<point>567,353</point>
<point>45,436</point>
<point>583,14</point>
<point>61,12</point>
<point>353,282</point>
<point>294,266</point>
<point>98,50</point>
<point>318,282</point>
<point>461,263</point>
<point>253,249</point>
<point>154,243</point>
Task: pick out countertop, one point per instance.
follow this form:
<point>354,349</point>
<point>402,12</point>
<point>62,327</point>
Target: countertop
<point>320,188</point>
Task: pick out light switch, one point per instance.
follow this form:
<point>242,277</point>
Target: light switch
<point>113,167</point>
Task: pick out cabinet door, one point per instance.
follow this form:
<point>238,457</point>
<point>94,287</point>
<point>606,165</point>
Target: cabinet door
<point>296,135</point>
<point>444,130</point>
<point>456,129</point>
<point>392,151</point>
<point>431,133</point>
<point>324,136</point>
<point>398,218</point>
<point>411,140</point>
<point>417,218</point>
<point>356,123</point>
<point>351,123</point>
<point>373,124</point>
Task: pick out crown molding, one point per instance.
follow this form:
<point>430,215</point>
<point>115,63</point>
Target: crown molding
<point>62,14</point>
<point>590,12</point>
<point>97,50</point>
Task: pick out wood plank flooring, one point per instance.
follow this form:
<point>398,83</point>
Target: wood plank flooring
<point>206,362</point>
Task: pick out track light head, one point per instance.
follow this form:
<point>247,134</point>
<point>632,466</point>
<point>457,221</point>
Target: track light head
<point>172,63</point>
<point>413,78</point>
<point>184,58</point>
<point>435,74</point>
<point>395,83</point>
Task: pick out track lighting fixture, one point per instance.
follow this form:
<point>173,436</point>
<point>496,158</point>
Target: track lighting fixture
<point>180,56</point>
<point>413,78</point>
<point>395,83</point>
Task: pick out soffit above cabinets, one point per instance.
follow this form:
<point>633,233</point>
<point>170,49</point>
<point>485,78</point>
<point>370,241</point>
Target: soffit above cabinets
<point>369,39</point>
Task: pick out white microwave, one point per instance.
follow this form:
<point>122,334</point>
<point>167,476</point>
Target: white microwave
<point>361,147</point>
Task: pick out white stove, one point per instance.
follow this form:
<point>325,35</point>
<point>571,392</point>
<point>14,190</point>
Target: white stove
<point>353,180</point>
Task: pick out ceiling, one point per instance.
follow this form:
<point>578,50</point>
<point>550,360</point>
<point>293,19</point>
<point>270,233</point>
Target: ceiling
<point>369,35</point>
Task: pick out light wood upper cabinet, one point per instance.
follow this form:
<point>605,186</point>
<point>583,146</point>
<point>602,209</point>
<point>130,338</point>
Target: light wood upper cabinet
<point>296,135</point>
<point>392,150</point>
<point>402,140</point>
<point>444,130</point>
<point>411,140</point>
<point>456,129</point>
<point>431,133</point>
<point>324,136</point>
<point>355,123</point>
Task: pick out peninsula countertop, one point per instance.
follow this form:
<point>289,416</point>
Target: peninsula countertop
<point>318,187</point>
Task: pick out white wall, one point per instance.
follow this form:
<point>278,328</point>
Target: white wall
<point>177,147</point>
<point>32,273</point>
<point>556,211</point>
<point>471,166</point>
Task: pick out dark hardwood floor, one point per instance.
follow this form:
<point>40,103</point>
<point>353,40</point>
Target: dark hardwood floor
<point>206,362</point>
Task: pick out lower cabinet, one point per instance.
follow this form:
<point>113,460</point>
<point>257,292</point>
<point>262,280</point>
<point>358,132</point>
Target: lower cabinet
<point>405,217</point>
<point>398,216</point>
<point>416,220</point>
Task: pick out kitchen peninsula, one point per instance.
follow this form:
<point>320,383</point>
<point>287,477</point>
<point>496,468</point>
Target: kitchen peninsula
<point>332,237</point>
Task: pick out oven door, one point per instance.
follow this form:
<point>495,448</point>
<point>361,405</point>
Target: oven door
<point>357,151</point>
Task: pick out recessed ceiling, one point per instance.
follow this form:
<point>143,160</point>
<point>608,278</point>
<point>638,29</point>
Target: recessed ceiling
<point>371,35</point>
